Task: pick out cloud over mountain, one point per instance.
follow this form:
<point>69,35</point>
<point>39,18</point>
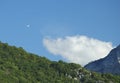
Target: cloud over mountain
<point>78,49</point>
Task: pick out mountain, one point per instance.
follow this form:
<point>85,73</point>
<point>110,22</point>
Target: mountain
<point>19,66</point>
<point>109,64</point>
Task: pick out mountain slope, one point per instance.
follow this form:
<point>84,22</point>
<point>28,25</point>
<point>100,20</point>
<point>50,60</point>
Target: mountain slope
<point>109,64</point>
<point>19,66</point>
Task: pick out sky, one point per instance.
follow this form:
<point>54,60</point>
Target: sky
<point>42,26</point>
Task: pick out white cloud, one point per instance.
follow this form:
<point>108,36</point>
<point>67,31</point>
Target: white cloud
<point>78,49</point>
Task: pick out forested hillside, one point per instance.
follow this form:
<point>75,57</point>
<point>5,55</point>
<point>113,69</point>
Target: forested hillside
<point>19,66</point>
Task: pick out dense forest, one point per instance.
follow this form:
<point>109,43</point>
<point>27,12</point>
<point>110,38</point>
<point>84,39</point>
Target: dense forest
<point>19,66</point>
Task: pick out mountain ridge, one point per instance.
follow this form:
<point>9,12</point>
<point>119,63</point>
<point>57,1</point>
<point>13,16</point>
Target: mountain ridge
<point>19,66</point>
<point>108,64</point>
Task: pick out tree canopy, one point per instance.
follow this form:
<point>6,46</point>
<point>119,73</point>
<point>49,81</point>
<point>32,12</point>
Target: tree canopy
<point>19,66</point>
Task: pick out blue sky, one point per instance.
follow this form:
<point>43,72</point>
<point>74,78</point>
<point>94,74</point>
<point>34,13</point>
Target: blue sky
<point>99,19</point>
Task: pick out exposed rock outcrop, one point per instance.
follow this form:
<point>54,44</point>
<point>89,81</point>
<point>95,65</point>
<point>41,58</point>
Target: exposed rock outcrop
<point>109,64</point>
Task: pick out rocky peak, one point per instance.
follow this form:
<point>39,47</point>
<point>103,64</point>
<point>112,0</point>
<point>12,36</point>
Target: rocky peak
<point>115,54</point>
<point>118,54</point>
<point>109,64</point>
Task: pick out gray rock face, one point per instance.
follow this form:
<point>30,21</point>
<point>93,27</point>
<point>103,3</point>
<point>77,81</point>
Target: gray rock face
<point>109,64</point>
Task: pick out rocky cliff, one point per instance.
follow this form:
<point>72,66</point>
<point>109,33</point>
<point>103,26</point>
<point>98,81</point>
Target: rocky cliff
<point>109,64</point>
